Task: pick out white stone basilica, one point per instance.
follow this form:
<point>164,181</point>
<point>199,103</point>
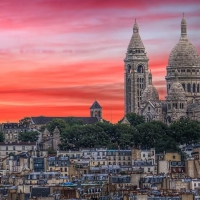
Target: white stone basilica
<point>182,81</point>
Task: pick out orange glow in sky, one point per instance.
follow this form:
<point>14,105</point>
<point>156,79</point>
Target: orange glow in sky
<point>57,57</point>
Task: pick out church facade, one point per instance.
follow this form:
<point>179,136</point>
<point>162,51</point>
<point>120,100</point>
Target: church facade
<point>182,81</point>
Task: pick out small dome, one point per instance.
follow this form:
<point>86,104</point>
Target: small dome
<point>176,91</point>
<point>150,94</point>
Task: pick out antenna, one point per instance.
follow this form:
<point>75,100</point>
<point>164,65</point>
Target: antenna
<point>111,114</point>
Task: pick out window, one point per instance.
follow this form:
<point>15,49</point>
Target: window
<point>148,169</point>
<point>140,69</point>
<point>183,85</point>
<point>6,148</point>
<point>174,157</point>
<point>194,88</point>
<point>23,147</point>
<point>13,147</point>
<point>188,87</point>
<point>198,88</point>
<point>129,69</point>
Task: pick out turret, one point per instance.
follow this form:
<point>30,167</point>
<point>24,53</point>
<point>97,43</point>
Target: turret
<point>96,110</point>
<point>183,27</point>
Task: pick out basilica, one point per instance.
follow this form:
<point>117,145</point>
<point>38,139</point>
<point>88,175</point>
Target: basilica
<point>182,81</point>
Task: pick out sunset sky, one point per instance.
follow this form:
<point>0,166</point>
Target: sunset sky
<point>58,56</point>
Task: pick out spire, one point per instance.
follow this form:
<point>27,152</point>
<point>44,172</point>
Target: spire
<point>135,27</point>
<point>136,42</point>
<point>95,105</point>
<point>125,121</point>
<point>183,27</point>
<point>56,130</point>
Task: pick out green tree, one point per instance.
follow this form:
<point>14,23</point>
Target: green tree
<point>60,123</point>
<point>185,131</point>
<point>1,137</point>
<point>25,121</point>
<point>31,136</point>
<point>124,135</point>
<point>51,150</point>
<point>134,119</point>
<point>166,144</point>
<point>149,134</point>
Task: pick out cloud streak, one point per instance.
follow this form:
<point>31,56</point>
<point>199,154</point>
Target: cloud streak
<point>57,57</point>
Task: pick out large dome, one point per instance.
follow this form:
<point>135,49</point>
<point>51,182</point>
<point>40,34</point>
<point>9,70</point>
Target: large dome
<point>184,53</point>
<point>150,94</point>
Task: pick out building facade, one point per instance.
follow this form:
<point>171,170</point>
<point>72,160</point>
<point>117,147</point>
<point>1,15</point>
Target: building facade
<point>182,81</point>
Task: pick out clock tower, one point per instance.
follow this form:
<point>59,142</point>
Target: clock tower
<point>135,72</point>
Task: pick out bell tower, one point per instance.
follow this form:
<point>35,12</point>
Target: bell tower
<point>135,72</point>
<point>96,110</point>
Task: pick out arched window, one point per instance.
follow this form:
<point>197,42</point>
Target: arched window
<point>198,87</point>
<point>188,87</point>
<point>193,88</point>
<point>169,86</point>
<point>140,69</point>
<point>183,85</point>
<point>129,69</point>
<point>99,114</point>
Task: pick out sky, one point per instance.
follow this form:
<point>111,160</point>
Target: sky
<point>58,56</point>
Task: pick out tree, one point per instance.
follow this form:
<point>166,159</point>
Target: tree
<point>60,123</point>
<point>29,136</point>
<point>1,137</point>
<point>25,121</point>
<point>124,135</point>
<point>185,131</point>
<point>149,134</point>
<point>134,119</point>
<point>166,144</point>
<point>51,150</point>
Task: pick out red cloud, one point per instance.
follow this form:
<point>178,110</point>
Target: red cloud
<point>58,56</point>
